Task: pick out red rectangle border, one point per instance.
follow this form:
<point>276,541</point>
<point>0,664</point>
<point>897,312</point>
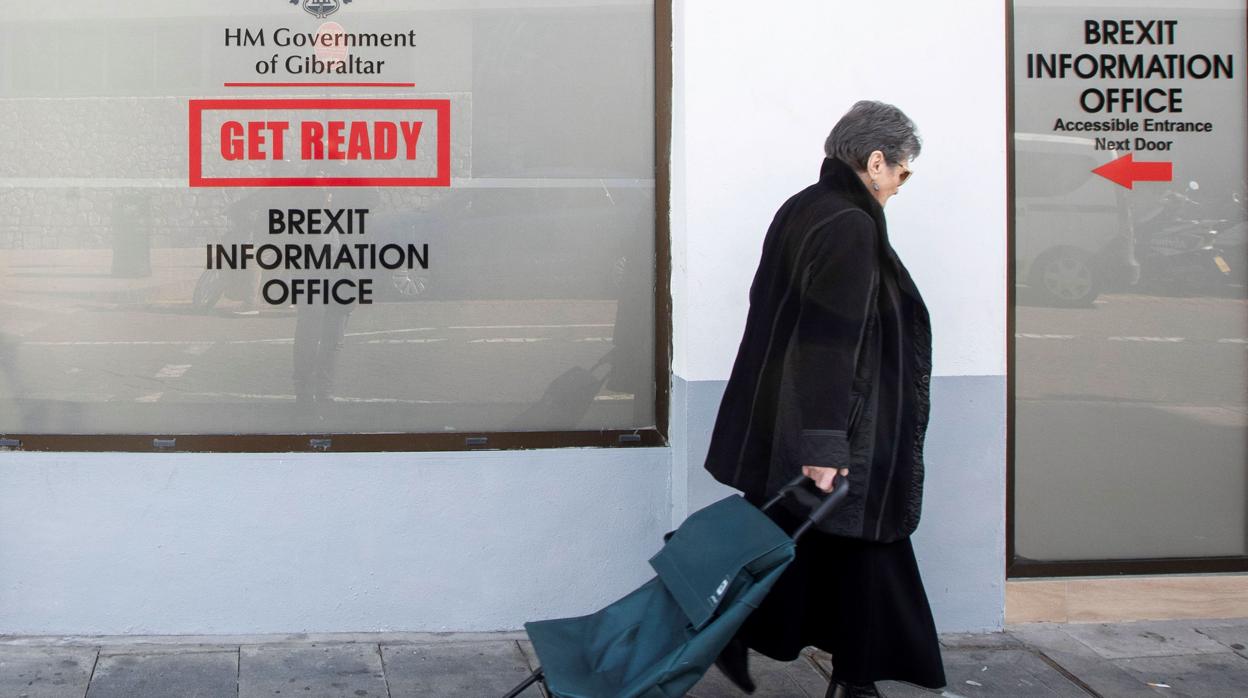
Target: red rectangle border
<point>442,107</point>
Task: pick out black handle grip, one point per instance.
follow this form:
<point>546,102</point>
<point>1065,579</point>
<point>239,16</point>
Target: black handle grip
<point>820,503</point>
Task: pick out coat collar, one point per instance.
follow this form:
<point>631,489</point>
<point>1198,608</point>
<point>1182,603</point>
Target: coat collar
<point>838,176</point>
<point>842,179</point>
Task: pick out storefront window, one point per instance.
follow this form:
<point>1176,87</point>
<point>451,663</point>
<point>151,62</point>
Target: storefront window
<point>266,217</point>
<point>1130,378</point>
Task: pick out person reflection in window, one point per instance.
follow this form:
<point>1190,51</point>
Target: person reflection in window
<point>320,325</point>
<point>320,330</point>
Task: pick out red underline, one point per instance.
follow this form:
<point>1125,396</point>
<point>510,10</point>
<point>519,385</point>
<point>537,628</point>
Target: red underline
<point>320,84</point>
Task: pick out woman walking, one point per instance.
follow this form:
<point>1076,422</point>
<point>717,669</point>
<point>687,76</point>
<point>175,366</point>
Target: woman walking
<point>831,381</point>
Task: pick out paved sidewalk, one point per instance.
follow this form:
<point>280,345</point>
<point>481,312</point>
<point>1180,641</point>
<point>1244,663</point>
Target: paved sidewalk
<point>1171,658</point>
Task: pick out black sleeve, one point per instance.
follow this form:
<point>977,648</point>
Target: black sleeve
<point>838,287</point>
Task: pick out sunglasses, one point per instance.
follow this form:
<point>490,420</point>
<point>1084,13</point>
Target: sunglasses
<point>905,174</point>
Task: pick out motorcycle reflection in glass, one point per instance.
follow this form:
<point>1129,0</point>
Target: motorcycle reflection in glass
<point>1182,250</point>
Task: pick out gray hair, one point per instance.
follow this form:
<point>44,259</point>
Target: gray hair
<point>870,126</point>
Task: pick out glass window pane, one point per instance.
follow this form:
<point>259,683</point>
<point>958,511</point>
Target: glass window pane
<point>1131,378</point>
<point>518,298</point>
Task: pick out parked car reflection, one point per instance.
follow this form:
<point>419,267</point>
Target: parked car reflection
<point>1074,236</point>
<point>516,242</point>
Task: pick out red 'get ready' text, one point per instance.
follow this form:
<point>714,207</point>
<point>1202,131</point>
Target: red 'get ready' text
<point>320,142</point>
<point>327,140</point>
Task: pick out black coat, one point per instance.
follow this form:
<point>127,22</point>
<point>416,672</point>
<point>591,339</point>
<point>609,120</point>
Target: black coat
<point>835,363</point>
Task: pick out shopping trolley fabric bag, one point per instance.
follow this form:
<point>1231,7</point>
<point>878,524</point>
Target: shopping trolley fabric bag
<point>660,639</point>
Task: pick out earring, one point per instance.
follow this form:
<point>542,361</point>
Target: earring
<point>875,186</point>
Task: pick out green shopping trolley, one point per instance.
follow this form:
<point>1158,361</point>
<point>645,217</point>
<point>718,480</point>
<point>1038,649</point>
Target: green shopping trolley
<point>660,639</point>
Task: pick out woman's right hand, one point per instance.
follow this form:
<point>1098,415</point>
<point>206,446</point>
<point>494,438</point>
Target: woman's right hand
<point>825,478</point>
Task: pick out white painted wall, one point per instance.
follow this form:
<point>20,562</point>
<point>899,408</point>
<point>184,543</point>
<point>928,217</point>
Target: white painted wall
<point>758,89</point>
<point>227,544</point>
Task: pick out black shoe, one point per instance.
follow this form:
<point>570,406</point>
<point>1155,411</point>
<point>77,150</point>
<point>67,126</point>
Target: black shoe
<point>734,662</point>
<point>838,689</point>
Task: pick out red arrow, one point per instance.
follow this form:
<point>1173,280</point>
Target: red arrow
<point>1126,171</point>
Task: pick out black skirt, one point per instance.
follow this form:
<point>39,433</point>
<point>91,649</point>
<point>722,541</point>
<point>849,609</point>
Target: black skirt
<point>862,602</point>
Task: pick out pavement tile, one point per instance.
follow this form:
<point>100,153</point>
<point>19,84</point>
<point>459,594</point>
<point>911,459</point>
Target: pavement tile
<point>822,660</point>
<point>530,656</point>
<point>1106,679</point>
<point>1049,637</point>
<point>1145,639</point>
<point>1216,622</point>
<point>314,671</point>
<point>1233,636</point>
<point>993,672</point>
<point>894,689</point>
<point>797,679</point>
<point>888,689</point>
<point>37,672</point>
<point>980,641</point>
<point>1080,660</point>
<point>1197,675</point>
<point>111,650</point>
<point>459,669</point>
<point>185,675</point>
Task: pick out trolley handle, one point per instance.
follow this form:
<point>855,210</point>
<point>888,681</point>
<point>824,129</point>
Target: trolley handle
<point>819,503</point>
